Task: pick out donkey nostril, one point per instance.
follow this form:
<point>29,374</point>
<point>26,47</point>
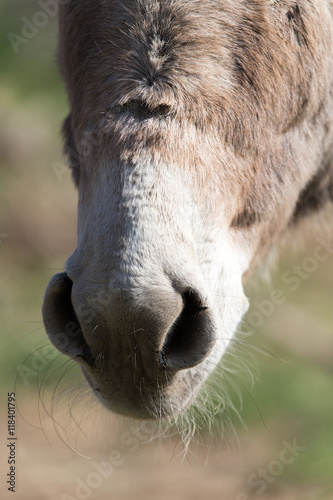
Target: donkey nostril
<point>191,337</point>
<point>60,320</point>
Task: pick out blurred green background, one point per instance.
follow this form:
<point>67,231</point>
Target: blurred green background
<point>292,346</point>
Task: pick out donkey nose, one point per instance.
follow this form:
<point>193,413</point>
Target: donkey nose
<point>171,335</point>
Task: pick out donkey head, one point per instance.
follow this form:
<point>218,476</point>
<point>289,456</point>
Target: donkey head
<point>199,131</point>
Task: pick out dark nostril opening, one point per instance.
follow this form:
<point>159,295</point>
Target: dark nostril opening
<point>61,323</point>
<point>191,337</point>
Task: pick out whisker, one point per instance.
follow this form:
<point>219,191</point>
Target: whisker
<point>19,340</point>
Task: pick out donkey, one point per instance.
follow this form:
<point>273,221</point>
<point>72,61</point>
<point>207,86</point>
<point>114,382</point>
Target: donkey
<point>200,132</point>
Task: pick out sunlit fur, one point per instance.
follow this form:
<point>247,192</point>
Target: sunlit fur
<point>200,132</point>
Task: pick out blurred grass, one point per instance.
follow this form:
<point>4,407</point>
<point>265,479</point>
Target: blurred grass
<point>34,206</point>
<point>38,214</point>
<point>33,71</point>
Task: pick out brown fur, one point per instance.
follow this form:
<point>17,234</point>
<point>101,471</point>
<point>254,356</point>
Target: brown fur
<point>233,101</point>
<point>253,76</point>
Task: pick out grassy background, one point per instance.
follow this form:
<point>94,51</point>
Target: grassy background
<point>293,391</point>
